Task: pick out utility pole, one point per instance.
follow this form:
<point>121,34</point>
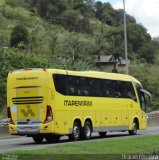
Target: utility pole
<point>125,40</point>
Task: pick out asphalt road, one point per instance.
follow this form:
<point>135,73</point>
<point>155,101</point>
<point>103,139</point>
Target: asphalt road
<point>28,143</point>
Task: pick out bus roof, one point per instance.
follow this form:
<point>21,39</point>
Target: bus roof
<point>94,74</point>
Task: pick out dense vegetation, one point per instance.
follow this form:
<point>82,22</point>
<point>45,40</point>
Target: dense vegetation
<point>72,34</point>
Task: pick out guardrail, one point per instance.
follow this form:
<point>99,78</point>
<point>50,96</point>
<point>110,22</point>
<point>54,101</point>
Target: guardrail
<point>4,131</point>
<point>153,121</point>
<point>4,122</point>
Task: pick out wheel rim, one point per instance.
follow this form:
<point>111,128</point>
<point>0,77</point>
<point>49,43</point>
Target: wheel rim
<point>134,128</point>
<point>76,132</point>
<point>88,131</point>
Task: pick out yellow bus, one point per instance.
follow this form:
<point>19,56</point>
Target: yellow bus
<point>50,103</point>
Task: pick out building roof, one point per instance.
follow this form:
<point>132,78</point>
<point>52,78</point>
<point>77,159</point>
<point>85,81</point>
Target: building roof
<point>110,59</point>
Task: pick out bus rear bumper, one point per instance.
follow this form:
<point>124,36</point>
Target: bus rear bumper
<point>28,129</point>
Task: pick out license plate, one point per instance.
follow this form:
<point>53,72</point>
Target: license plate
<point>28,128</point>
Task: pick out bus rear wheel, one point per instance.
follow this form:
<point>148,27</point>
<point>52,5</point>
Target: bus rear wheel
<point>38,138</point>
<point>134,129</point>
<point>52,138</point>
<point>87,130</point>
<point>102,134</point>
<point>76,132</point>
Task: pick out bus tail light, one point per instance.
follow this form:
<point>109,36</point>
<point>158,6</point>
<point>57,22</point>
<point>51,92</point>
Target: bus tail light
<point>49,115</point>
<point>10,120</point>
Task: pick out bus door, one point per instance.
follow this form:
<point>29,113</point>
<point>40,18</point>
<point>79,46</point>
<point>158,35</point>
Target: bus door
<point>144,97</point>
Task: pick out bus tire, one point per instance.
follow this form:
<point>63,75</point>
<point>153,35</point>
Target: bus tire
<point>87,130</point>
<point>134,129</point>
<point>52,138</point>
<point>38,138</point>
<point>76,132</point>
<point>102,134</point>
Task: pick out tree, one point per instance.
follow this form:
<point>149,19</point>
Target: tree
<point>99,46</point>
<point>116,45</point>
<point>108,14</point>
<point>90,4</point>
<point>137,36</point>
<point>77,3</point>
<point>53,41</point>
<point>148,52</point>
<point>33,38</point>
<point>73,21</point>
<point>81,7</point>
<point>84,26</point>
<point>69,19</point>
<point>71,45</point>
<point>19,35</point>
<point>31,4</point>
<point>50,10</point>
<point>99,10</point>
<point>118,19</point>
<point>13,3</point>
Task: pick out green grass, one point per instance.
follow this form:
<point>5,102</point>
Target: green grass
<point>144,70</point>
<point>110,148</point>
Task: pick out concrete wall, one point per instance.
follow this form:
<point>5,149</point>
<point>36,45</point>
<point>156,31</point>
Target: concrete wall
<point>153,121</point>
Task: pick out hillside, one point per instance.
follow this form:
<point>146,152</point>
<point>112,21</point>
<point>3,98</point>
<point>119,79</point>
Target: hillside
<point>72,34</point>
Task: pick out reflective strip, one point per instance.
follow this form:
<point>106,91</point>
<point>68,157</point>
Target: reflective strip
<point>110,128</point>
<point>106,129</point>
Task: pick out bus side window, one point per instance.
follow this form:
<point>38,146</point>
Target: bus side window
<point>60,83</point>
<point>97,88</point>
<point>108,88</point>
<point>130,91</point>
<point>120,89</point>
<point>111,88</point>
<point>72,85</point>
<point>105,88</point>
<point>82,91</point>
